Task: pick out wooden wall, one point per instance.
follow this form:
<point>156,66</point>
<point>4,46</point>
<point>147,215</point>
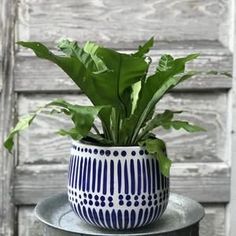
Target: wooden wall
<point>38,169</point>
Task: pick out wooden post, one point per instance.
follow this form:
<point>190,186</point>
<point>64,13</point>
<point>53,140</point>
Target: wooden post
<point>7,209</point>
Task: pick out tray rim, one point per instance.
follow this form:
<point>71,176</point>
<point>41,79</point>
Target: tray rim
<point>63,194</point>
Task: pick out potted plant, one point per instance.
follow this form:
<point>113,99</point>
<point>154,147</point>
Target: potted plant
<point>119,173</point>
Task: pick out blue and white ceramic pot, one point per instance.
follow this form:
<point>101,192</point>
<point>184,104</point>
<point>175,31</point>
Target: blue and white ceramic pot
<point>116,187</point>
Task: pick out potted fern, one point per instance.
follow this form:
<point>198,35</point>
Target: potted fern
<point>118,173</point>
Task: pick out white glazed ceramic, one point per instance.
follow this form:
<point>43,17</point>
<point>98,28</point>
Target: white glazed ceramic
<point>116,187</point>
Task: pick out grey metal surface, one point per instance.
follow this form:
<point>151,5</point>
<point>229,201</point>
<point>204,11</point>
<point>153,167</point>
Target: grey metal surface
<point>181,218</point>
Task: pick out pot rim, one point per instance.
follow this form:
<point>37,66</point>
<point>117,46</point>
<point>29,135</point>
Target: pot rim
<point>79,143</point>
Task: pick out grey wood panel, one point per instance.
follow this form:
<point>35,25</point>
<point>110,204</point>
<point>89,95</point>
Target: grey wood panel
<point>121,22</point>
<point>231,214</point>
<point>7,209</point>
<point>33,74</point>
<point>214,221</point>
<point>211,225</point>
<point>40,143</point>
<point>208,182</point>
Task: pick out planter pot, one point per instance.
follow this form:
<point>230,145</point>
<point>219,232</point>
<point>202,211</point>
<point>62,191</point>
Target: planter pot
<point>116,187</point>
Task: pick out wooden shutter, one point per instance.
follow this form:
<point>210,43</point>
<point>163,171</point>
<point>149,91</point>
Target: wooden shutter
<point>202,160</point>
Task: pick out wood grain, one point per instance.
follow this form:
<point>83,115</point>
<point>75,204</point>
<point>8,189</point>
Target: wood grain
<point>119,23</point>
<point>7,209</point>
<point>208,182</point>
<point>214,221</point>
<point>212,224</point>
<point>41,145</point>
<point>33,74</point>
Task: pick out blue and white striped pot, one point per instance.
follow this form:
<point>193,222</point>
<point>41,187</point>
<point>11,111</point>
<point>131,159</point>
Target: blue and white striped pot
<point>116,187</point>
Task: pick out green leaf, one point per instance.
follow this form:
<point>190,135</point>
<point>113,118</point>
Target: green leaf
<point>73,133</point>
<point>179,124</point>
<point>21,125</point>
<point>152,91</point>
<point>86,55</point>
<point>158,120</point>
<point>144,49</point>
<point>82,116</point>
<point>70,65</point>
<point>157,148</point>
<point>165,63</point>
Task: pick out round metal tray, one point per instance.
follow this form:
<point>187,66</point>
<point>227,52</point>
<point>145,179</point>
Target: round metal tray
<point>56,215</point>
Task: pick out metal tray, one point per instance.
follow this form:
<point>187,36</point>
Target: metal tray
<point>58,218</point>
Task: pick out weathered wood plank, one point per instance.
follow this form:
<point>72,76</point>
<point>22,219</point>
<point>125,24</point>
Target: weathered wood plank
<point>204,182</point>
<point>212,224</point>
<point>7,209</point>
<point>120,23</point>
<point>33,74</point>
<point>28,224</point>
<point>214,221</point>
<point>231,213</point>
<point>40,144</point>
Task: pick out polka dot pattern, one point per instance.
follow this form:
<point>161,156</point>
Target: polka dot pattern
<point>103,181</point>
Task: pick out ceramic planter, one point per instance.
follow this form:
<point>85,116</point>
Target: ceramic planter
<point>116,187</point>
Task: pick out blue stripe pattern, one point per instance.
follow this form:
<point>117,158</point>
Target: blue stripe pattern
<point>121,191</point>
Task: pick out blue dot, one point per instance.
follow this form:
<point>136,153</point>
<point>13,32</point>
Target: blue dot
<point>90,202</point>
<point>146,152</point>
<point>128,197</point>
<point>90,150</point>
<point>75,193</point>
<point>136,197</point>
<point>115,153</point>
<point>143,197</point>
<point>96,203</point>
<point>121,202</point>
<point>102,198</point>
<point>136,203</point>
<point>78,148</point>
<point>110,204</point>
<point>86,149</point>
<point>110,199</point>
<point>149,203</point>
<point>90,196</point>
<point>160,194</point>
<point>81,203</point>
<point>155,202</point>
<point>108,152</point>
<point>103,204</point>
<point>143,203</point>
<point>82,149</point>
<point>79,195</point>
<point>123,153</point>
<point>96,197</point>
<point>85,195</point>
<point>76,200</point>
<point>72,192</point>
<point>121,197</point>
<point>141,152</point>
<point>102,152</point>
<point>133,153</point>
<point>129,203</point>
<point>69,191</point>
<point>149,197</point>
<point>95,151</point>
<point>85,201</point>
<point>155,195</point>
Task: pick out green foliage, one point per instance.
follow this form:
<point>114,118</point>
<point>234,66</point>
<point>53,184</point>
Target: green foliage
<point>123,94</point>
<point>82,117</point>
